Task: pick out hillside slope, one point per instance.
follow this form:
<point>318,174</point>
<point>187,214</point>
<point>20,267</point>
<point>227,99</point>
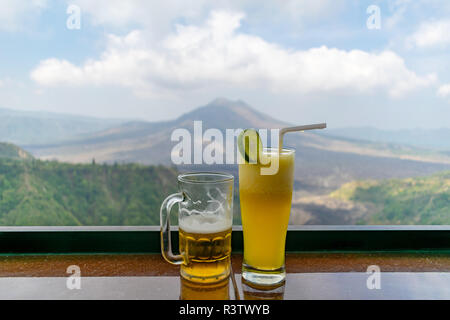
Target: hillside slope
<point>419,201</point>
<point>43,193</point>
<point>11,151</point>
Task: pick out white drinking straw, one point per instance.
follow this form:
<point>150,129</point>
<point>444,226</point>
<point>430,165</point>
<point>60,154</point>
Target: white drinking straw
<point>298,128</point>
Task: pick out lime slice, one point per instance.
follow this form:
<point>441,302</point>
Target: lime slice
<point>250,145</point>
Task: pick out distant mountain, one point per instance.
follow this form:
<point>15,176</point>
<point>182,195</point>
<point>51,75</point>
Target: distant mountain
<point>224,114</point>
<point>424,138</point>
<point>149,142</point>
<point>323,162</point>
<point>10,151</point>
<point>34,127</point>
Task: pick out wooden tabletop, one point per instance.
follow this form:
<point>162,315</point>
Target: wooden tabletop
<point>148,276</point>
<point>125,265</point>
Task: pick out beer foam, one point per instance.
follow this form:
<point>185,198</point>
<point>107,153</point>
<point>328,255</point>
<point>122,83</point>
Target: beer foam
<point>202,224</point>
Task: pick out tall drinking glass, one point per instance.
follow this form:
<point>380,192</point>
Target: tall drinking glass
<point>205,217</point>
<point>265,209</point>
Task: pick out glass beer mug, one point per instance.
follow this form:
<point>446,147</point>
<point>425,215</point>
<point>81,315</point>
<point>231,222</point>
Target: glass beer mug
<point>205,217</point>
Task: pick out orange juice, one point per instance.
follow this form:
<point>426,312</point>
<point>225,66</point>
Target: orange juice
<point>265,208</point>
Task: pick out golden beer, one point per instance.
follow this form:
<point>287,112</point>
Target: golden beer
<point>207,250</point>
<point>265,208</point>
<point>205,217</point>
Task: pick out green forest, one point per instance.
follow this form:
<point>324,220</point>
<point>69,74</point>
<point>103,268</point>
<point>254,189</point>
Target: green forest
<point>38,193</point>
<point>418,201</point>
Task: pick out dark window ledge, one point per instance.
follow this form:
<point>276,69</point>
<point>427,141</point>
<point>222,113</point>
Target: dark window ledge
<point>145,239</point>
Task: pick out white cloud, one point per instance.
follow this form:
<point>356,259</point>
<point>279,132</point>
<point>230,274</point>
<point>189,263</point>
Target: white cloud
<point>217,54</point>
<point>431,34</point>
<point>15,14</point>
<point>444,90</point>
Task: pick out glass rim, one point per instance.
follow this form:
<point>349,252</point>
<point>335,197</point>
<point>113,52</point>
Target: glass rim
<point>217,177</point>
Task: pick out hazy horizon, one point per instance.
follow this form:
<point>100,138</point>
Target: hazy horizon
<point>129,119</point>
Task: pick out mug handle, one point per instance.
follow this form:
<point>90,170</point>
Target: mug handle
<point>166,242</point>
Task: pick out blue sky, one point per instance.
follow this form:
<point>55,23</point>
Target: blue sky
<point>297,60</point>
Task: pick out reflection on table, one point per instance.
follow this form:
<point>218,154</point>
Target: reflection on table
<point>228,290</point>
<point>204,291</point>
<point>256,292</point>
